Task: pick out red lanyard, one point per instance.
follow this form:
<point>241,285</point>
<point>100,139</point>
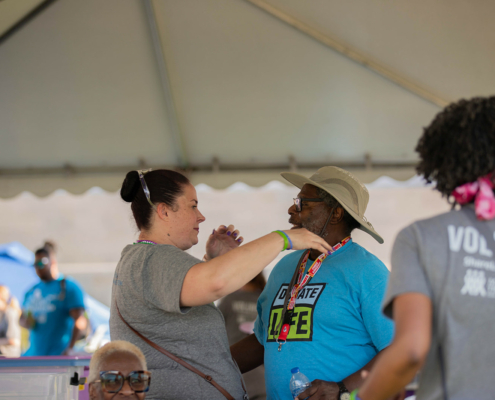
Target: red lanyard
<point>301,282</point>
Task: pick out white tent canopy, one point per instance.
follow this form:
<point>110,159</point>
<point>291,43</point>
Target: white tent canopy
<point>91,89</point>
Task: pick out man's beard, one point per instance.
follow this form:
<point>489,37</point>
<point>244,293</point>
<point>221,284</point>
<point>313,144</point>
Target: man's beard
<point>315,225</point>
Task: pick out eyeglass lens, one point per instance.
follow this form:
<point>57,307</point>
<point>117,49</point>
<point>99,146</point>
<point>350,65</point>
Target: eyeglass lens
<point>297,203</point>
<point>113,382</point>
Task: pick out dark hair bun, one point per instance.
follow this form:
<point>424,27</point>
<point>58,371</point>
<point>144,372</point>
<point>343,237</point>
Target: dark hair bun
<point>130,186</point>
<point>50,246</point>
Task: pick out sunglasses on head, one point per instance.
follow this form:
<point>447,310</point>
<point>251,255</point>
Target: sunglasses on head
<point>40,264</point>
<point>113,381</point>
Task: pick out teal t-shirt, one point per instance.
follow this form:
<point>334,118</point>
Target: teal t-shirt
<point>337,326</point>
<point>50,307</point>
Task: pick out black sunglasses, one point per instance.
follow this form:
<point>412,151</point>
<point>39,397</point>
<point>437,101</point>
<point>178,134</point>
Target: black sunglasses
<point>298,202</point>
<point>113,381</point>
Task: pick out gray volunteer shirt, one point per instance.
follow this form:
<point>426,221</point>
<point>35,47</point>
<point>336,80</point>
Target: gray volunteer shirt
<point>450,259</point>
<point>147,285</point>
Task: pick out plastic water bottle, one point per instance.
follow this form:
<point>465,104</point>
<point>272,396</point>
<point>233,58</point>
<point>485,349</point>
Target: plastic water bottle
<point>298,383</point>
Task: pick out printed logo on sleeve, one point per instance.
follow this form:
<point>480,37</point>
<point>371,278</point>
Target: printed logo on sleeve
<point>302,320</point>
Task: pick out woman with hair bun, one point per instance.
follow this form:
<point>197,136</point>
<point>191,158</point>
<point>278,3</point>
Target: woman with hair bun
<point>162,297</point>
<point>441,291</point>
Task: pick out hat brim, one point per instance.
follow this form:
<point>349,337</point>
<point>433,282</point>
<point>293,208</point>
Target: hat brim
<point>299,181</point>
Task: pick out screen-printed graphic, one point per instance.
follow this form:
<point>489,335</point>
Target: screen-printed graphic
<point>301,326</point>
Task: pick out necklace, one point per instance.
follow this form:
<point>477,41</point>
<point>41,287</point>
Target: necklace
<point>145,242</point>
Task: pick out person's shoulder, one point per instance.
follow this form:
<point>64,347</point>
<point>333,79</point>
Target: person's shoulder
<point>288,262</point>
<point>33,288</point>
<point>364,256</point>
<point>432,223</point>
<point>72,284</point>
<point>427,229</point>
<point>365,262</point>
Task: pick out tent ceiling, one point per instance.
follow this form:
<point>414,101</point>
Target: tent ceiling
<point>12,11</point>
<point>81,85</point>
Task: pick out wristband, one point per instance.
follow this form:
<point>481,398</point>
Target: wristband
<point>290,241</point>
<point>354,395</point>
<point>286,240</point>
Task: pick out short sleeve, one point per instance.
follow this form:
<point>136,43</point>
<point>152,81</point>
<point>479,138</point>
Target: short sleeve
<point>163,276</point>
<point>75,296</point>
<point>380,328</point>
<point>408,274</point>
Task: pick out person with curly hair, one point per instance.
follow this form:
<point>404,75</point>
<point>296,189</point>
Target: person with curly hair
<point>441,291</point>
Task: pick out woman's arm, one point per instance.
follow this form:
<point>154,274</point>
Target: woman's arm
<point>400,362</point>
<point>209,281</point>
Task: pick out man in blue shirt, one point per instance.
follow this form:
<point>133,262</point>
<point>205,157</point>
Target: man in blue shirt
<point>53,309</point>
<point>335,327</point>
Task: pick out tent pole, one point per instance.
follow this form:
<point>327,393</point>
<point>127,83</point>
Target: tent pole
<point>353,54</point>
<point>173,119</point>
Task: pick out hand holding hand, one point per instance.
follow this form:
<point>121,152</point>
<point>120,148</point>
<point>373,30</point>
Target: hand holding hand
<point>320,390</point>
<point>222,240</point>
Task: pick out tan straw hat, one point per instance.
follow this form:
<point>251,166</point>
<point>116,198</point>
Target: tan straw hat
<point>346,189</point>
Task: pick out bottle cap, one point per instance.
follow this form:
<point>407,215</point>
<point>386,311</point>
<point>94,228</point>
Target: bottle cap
<point>294,370</point>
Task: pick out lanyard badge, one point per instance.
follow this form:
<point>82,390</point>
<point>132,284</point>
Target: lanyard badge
<point>302,281</point>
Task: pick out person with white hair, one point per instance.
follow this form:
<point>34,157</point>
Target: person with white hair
<point>118,370</point>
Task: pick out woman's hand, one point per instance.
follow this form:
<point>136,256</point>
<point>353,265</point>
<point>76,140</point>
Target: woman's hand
<point>303,239</point>
<point>221,241</point>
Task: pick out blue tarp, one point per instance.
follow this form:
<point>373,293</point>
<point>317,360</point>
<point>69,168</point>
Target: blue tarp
<point>17,272</point>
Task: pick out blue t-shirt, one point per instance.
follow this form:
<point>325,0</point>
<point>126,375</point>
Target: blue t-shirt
<point>337,326</point>
<point>50,307</point>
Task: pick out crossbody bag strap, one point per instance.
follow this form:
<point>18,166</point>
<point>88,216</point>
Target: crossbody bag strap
<point>289,290</point>
<point>207,378</point>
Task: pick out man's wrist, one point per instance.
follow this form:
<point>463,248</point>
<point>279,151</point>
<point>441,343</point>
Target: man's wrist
<point>343,391</point>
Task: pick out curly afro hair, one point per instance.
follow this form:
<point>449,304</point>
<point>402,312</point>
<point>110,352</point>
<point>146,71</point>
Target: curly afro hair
<point>459,145</point>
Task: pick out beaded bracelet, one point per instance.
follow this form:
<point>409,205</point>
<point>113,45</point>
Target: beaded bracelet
<point>354,395</point>
<point>287,241</point>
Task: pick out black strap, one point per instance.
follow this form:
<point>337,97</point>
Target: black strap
<point>289,290</point>
<point>63,289</point>
<point>178,360</point>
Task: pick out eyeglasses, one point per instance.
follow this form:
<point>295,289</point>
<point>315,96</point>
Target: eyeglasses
<point>298,202</point>
<point>40,264</point>
<point>113,381</point>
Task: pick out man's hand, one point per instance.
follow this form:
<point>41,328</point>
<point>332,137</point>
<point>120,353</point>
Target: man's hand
<point>221,241</point>
<point>27,320</point>
<point>320,390</point>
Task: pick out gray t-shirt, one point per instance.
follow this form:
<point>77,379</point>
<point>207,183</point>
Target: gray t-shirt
<point>147,286</point>
<point>450,259</point>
